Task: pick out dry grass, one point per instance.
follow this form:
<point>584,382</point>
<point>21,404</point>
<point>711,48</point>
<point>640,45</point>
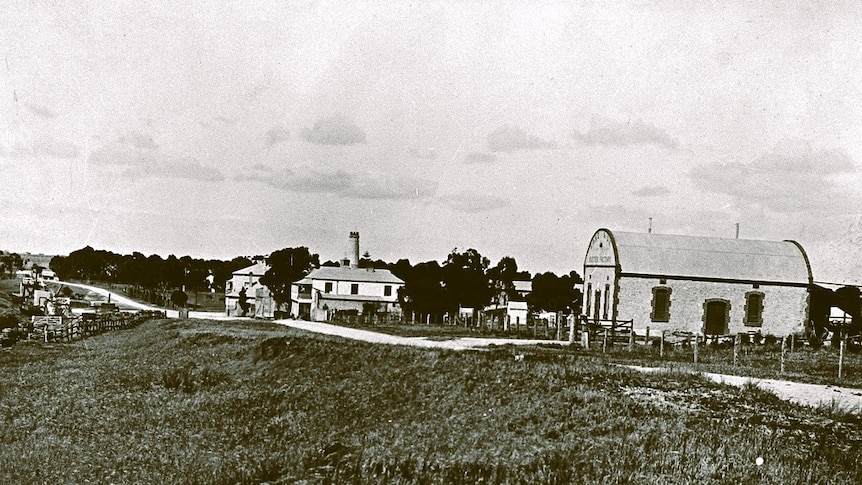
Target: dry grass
<point>226,403</point>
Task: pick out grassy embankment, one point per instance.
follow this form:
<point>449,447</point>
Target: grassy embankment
<point>225,403</point>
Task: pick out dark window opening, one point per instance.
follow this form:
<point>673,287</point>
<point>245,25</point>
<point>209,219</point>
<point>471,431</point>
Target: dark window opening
<point>387,290</point>
<point>354,288</point>
<point>660,304</point>
<point>753,309</point>
<point>328,287</point>
<point>605,307</point>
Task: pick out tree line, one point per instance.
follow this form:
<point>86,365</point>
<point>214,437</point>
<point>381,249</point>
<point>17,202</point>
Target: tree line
<point>465,279</point>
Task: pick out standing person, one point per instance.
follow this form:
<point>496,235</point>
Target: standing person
<point>243,301</point>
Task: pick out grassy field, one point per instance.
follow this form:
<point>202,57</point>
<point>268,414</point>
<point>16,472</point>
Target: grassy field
<point>200,402</point>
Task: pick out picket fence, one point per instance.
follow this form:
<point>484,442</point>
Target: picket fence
<point>61,328</point>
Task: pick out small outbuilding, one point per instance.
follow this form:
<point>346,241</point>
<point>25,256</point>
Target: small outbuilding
<point>706,285</point>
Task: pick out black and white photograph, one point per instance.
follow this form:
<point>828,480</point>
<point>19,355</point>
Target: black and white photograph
<point>437,242</point>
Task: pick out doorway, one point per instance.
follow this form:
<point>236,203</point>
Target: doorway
<point>716,316</point>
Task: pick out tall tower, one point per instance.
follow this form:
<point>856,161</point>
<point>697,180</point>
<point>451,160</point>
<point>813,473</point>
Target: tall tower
<point>354,249</point>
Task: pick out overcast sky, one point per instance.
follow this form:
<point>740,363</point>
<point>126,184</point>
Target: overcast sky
<point>218,129</point>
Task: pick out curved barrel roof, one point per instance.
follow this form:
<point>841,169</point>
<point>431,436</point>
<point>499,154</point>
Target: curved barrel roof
<point>711,257</point>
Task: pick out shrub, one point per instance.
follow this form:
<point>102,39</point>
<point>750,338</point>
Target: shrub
<point>190,379</point>
<point>271,348</point>
<point>8,320</point>
<point>179,298</point>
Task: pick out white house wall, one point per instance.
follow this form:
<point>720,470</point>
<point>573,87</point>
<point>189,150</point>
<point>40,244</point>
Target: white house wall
<point>785,308</point>
<point>365,288</point>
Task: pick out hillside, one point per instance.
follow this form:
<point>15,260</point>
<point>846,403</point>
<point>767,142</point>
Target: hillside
<point>222,403</point>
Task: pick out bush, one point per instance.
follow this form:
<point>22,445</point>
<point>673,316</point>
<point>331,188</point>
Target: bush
<point>190,379</point>
<point>8,320</point>
<point>179,298</point>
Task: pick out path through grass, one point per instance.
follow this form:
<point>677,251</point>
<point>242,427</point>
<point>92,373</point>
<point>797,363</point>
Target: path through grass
<point>223,403</point>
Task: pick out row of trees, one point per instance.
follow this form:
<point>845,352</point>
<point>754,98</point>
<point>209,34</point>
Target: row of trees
<point>10,263</point>
<point>465,280</point>
<point>150,272</point>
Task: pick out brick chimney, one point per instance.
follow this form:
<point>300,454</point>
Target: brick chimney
<point>354,249</point>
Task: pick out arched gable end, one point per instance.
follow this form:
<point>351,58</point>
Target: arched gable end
<point>805,257</point>
<point>602,251</point>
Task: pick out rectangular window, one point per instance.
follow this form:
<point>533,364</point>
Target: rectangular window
<point>605,307</point>
<point>753,309</point>
<point>597,305</point>
<point>354,288</point>
<point>387,290</point>
<point>660,304</point>
<point>327,287</point>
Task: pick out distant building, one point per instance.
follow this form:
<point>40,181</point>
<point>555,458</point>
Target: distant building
<point>509,307</point>
<point>247,278</point>
<point>710,286</point>
<point>345,288</point>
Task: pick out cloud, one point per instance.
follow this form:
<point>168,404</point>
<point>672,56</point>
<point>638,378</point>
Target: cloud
<point>138,140</point>
<point>792,178</point>
<point>471,202</point>
<point>391,188</point>
<point>189,169</point>
<point>44,146</point>
<point>509,138</point>
<point>651,191</point>
<point>479,158</point>
<point>276,135</point>
<point>606,132</point>
<point>41,111</point>
<point>335,130</point>
<point>257,172</point>
<point>340,183</point>
<point>128,149</point>
<point>424,154</point>
<point>56,148</point>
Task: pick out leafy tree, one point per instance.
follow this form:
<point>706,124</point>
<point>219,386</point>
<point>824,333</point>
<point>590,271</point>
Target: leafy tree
<point>556,294</point>
<point>10,263</point>
<point>504,274</point>
<point>179,298</point>
<point>287,266</point>
<point>465,281</point>
<point>423,290</point>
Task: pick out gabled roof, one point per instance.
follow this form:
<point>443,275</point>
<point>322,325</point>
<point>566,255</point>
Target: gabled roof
<point>257,269</point>
<point>523,286</point>
<point>343,273</point>
<point>711,257</point>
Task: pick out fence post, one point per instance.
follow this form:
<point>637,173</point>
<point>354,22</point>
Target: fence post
<point>632,339</point>
<point>783,341</point>
<point>646,339</point>
<point>661,345</point>
<point>792,341</point>
<point>841,355</point>
<point>605,341</point>
<point>736,341</point>
<point>572,330</point>
<point>695,348</point>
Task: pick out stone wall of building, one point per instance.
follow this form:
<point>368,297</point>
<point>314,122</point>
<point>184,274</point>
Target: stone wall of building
<point>785,309</point>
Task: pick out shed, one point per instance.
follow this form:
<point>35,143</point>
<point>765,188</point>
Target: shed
<point>707,285</point>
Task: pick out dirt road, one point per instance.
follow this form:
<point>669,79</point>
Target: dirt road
<point>814,395</point>
<point>461,343</point>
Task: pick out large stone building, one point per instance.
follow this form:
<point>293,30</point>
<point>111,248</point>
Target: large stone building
<point>345,288</point>
<point>710,286</point>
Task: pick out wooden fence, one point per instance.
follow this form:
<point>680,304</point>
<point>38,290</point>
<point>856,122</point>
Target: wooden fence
<point>85,325</point>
